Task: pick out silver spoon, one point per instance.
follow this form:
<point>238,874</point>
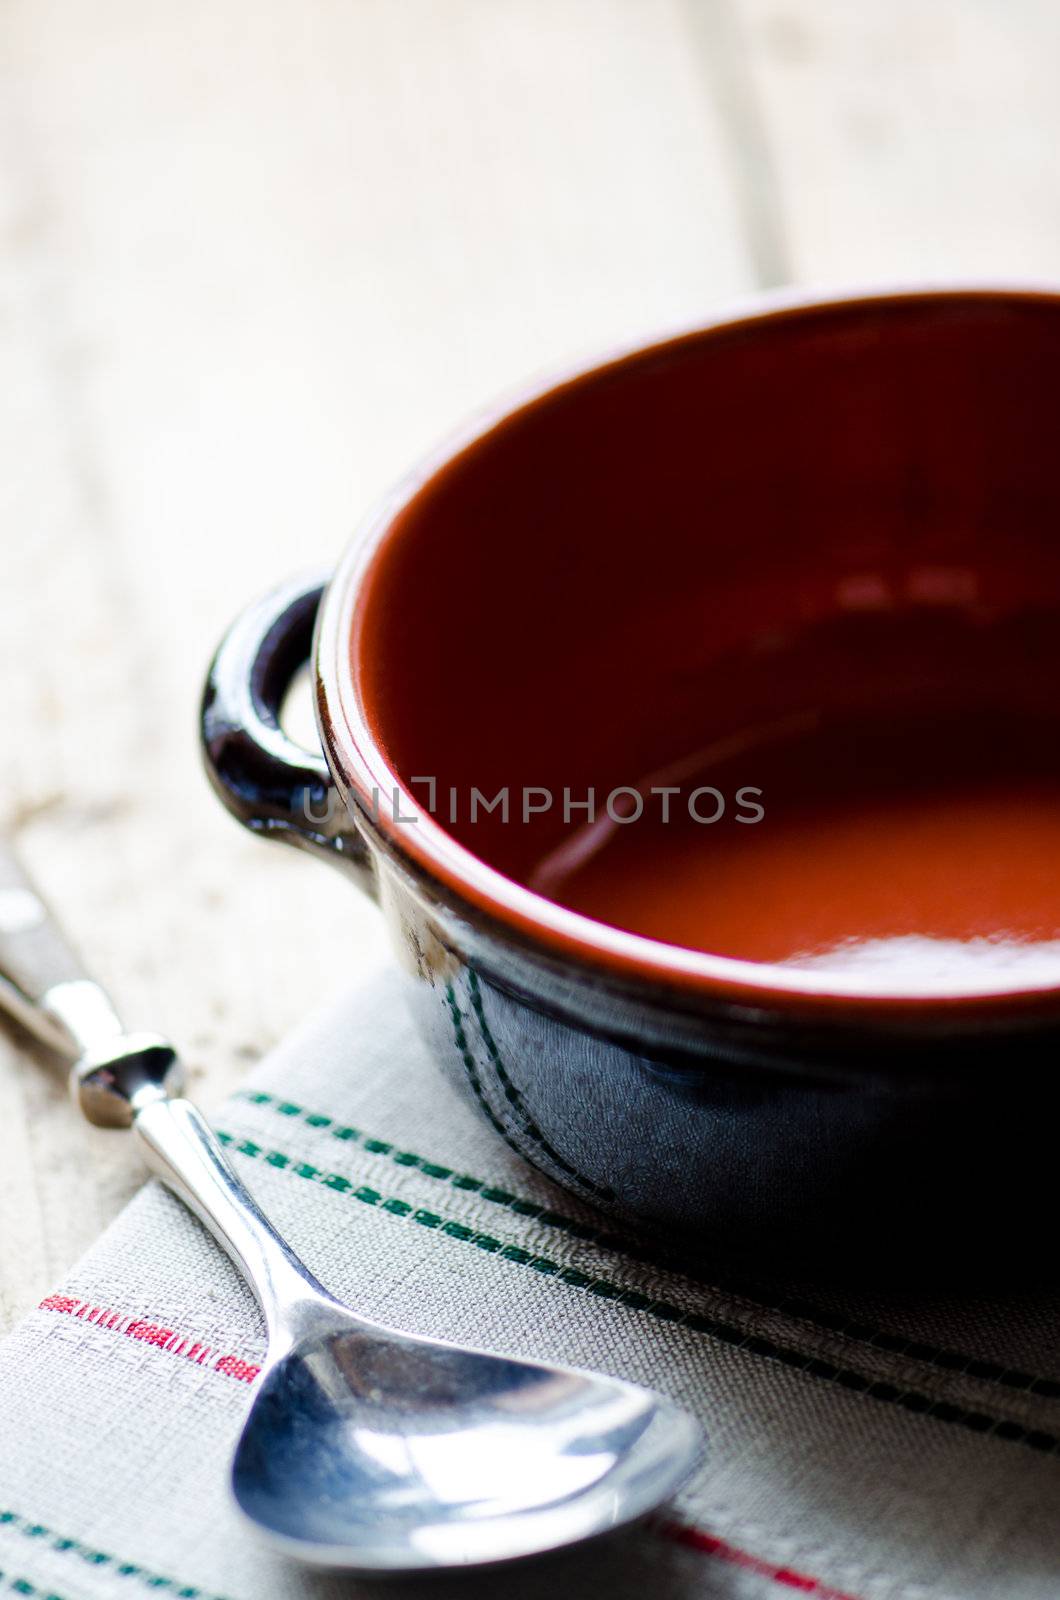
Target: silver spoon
<point>365,1448</point>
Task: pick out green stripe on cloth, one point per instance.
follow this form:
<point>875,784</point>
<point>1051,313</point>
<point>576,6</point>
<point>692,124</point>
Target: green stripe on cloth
<point>651,1306</point>
<point>64,1545</point>
<point>16,1585</point>
<point>944,1359</point>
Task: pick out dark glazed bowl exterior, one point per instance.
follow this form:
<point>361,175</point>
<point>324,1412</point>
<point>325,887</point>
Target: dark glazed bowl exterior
<point>771,1120</point>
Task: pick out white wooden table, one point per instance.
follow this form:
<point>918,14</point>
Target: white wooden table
<point>258,256</point>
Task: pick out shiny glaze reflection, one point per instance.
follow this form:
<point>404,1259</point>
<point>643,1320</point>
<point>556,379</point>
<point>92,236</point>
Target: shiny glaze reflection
<point>898,851</point>
<point>876,1161</point>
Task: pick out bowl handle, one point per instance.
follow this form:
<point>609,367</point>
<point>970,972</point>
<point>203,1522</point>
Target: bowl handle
<point>270,784</point>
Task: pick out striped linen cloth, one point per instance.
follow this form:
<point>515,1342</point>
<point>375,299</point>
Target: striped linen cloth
<point>856,1452</point>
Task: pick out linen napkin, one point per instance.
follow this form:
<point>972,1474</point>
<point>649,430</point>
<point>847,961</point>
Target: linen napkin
<point>857,1452</point>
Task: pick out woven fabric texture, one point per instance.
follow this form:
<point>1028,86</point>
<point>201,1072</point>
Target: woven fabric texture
<point>869,1450</point>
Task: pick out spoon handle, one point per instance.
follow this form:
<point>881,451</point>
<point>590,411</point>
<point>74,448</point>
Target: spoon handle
<point>42,983</point>
<point>132,1080</point>
<point>181,1148</point>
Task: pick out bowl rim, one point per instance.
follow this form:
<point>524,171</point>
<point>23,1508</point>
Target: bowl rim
<point>360,767</point>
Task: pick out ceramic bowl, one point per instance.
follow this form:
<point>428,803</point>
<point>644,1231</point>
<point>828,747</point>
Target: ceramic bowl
<point>843,512</point>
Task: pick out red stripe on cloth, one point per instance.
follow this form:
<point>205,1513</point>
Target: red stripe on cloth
<point>709,1544</point>
<point>162,1338</point>
<point>152,1333</point>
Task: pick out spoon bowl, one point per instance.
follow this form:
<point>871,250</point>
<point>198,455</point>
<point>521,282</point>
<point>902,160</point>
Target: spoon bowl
<point>366,1449</point>
<point>374,1452</point>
